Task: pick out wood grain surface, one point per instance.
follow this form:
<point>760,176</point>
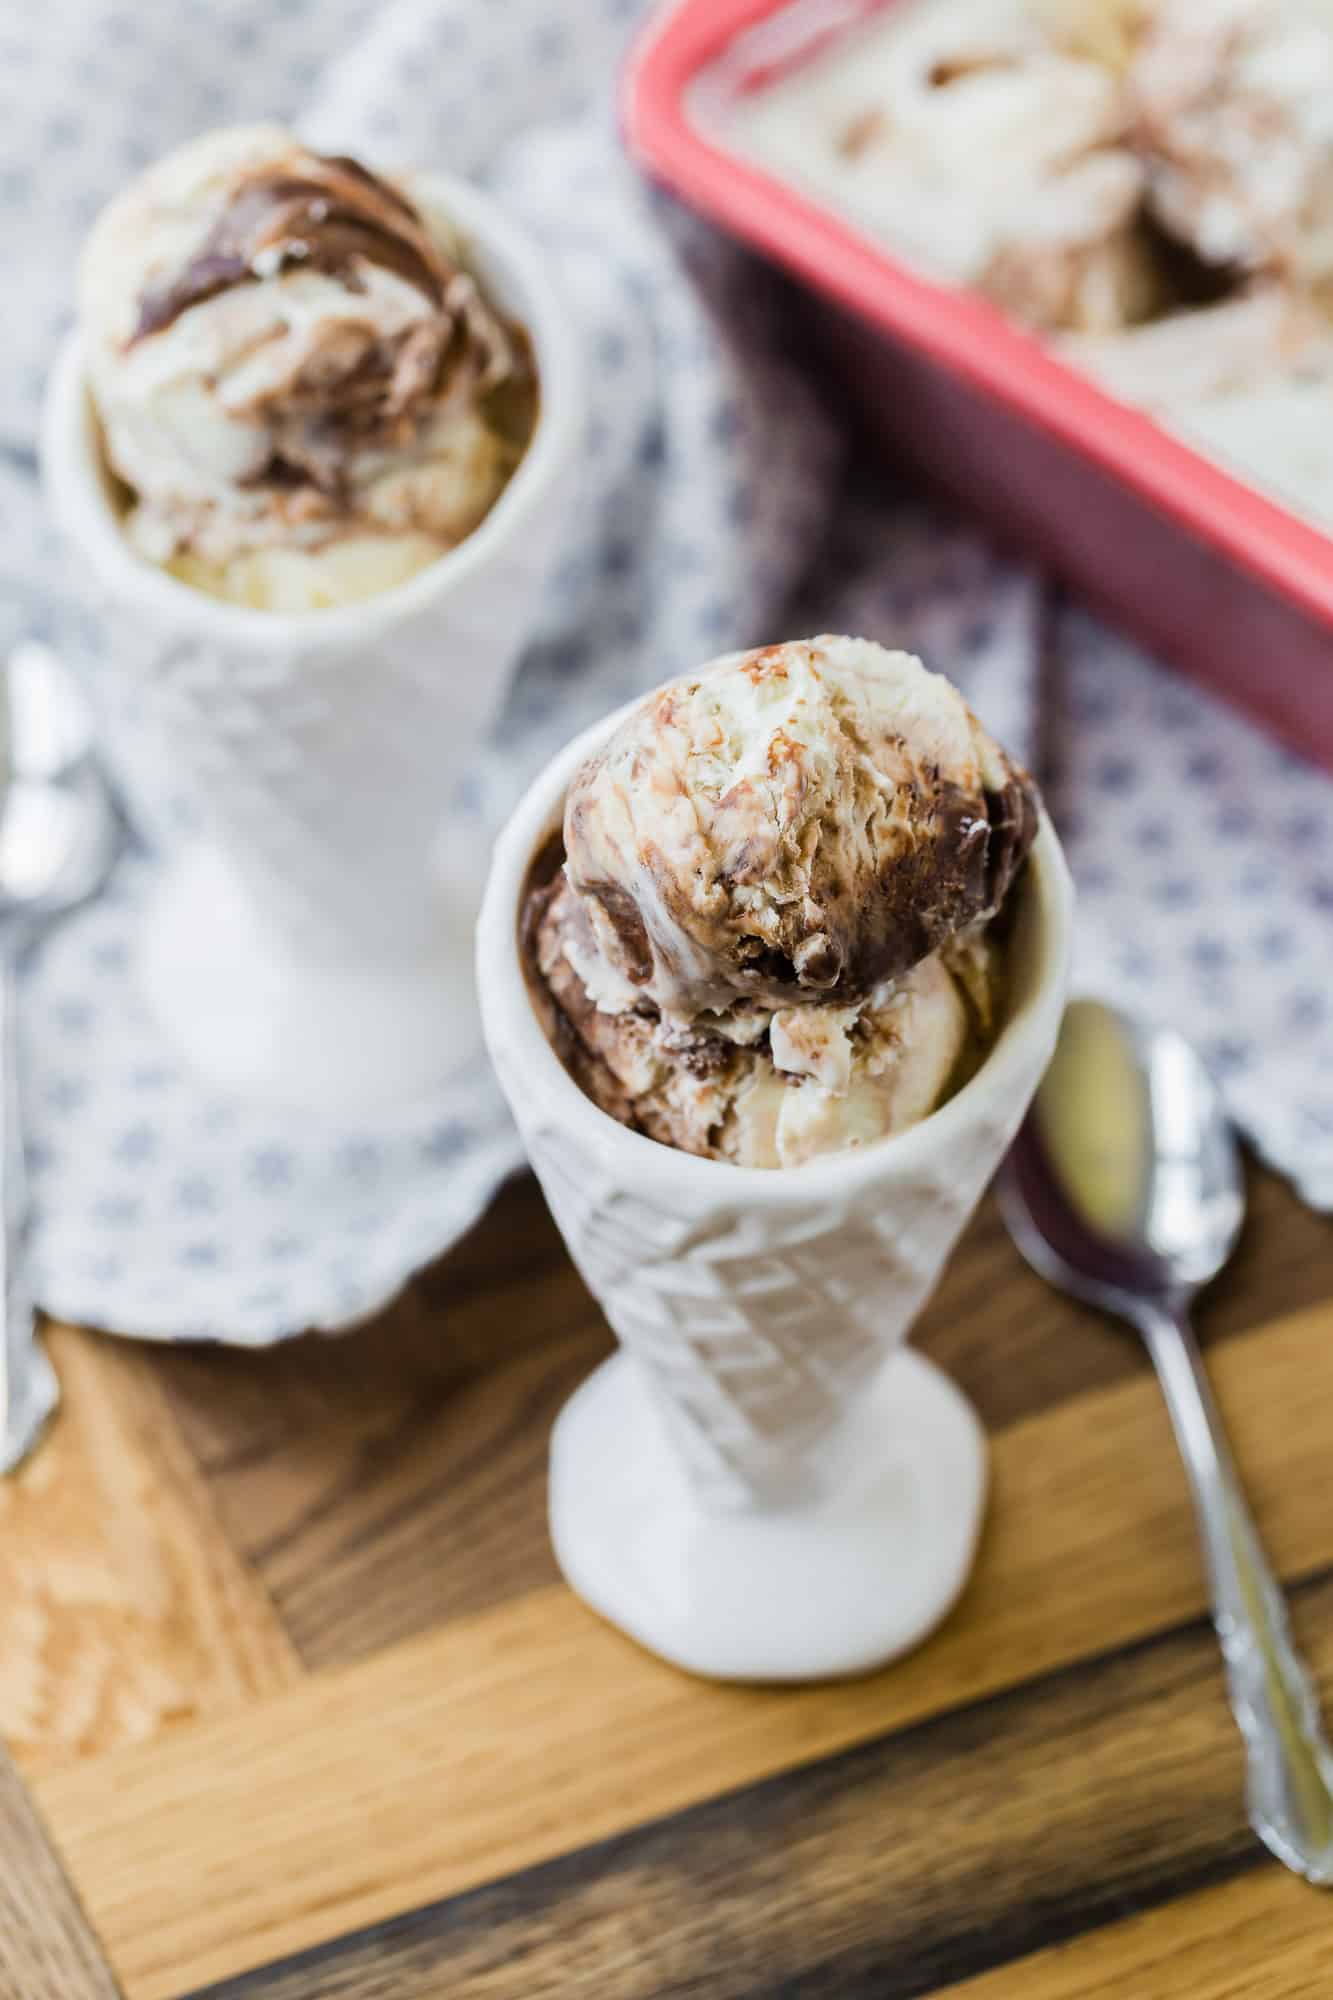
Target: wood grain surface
<point>127,1610</point>
<point>47,1948</point>
<point>308,1712</point>
<point>342,1468</point>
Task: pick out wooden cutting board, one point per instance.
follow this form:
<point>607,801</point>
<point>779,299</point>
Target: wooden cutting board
<point>295,1688</point>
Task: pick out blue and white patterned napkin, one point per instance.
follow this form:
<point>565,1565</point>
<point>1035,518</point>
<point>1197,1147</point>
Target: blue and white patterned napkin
<point>717,511</point>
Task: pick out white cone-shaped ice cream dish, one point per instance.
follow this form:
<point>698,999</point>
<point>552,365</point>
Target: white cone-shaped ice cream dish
<point>764,1484</point>
<point>308,943</point>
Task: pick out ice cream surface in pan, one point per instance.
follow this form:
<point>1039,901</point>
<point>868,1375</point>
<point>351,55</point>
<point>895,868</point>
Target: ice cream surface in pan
<point>1148,183</point>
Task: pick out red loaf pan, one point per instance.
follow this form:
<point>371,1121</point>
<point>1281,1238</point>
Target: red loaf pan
<point>1202,569</point>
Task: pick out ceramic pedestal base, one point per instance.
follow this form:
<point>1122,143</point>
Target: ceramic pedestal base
<point>828,1586</point>
<point>331,1037</point>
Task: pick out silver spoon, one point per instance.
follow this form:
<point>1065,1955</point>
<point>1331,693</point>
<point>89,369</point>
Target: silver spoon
<point>58,837</point>
<point>1125,1188</point>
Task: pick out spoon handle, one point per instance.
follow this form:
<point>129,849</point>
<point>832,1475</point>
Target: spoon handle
<point>1289,1764</point>
<point>28,1390</point>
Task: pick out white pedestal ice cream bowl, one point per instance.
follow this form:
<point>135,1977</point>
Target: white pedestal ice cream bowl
<point>764,1484</point>
<point>308,942</point>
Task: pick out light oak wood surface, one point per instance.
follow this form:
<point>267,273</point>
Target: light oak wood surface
<point>47,1949</point>
<point>307,1711</point>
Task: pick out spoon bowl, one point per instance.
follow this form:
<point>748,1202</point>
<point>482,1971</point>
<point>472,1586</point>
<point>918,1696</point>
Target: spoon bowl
<point>58,828</point>
<point>59,833</point>
<point>57,840</point>
<point>1125,1182</point>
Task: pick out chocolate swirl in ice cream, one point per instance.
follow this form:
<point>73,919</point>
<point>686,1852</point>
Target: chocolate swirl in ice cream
<point>771,933</point>
<point>289,352</point>
<point>323,211</point>
<point>804,821</point>
<point>329,214</point>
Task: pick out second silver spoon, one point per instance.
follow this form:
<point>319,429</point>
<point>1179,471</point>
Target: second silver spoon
<point>1125,1188</point>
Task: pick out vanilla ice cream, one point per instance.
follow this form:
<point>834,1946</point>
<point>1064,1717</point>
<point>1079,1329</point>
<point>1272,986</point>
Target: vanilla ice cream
<point>978,146</point>
<point>1233,105</point>
<point>1249,381</point>
<point>302,388</point>
<point>1147,183</point>
<point>769,936</point>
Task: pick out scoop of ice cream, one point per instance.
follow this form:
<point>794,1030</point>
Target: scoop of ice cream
<point>770,937</point>
<point>797,824</point>
<point>1234,108</point>
<point>287,354</point>
<point>767,1090</point>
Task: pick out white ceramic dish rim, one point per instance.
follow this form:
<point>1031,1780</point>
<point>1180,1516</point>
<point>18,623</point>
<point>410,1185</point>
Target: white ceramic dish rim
<point>511,1022</point>
<point>72,468</point>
